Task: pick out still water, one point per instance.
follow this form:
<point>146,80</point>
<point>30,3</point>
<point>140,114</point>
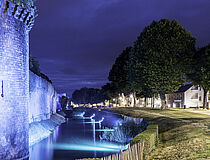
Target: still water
<point>77,138</point>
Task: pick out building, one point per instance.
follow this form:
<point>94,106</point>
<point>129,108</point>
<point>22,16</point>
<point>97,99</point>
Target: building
<point>187,96</point>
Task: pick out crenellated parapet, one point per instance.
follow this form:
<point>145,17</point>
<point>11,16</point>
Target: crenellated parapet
<point>24,14</point>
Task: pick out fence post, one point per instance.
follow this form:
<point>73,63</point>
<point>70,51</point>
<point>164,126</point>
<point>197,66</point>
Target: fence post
<point>142,150</point>
<point>126,155</point>
<point>136,152</point>
<point>121,155</point>
<point>139,151</point>
<point>129,153</point>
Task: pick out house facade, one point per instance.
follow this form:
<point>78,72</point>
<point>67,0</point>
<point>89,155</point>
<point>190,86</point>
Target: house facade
<point>187,96</point>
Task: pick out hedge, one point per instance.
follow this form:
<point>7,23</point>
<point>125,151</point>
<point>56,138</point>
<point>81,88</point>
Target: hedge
<point>149,137</point>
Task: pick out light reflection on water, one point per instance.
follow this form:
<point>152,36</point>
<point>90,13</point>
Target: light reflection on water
<point>74,139</point>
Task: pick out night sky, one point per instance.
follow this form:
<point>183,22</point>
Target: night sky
<point>77,41</point>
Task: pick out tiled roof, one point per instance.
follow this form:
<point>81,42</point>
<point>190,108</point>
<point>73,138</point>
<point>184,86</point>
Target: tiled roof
<point>184,88</point>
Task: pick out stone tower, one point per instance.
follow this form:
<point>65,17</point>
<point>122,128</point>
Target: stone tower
<point>15,24</point>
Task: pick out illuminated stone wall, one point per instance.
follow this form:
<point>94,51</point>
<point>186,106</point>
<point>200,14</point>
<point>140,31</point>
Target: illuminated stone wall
<point>43,98</point>
<point>15,22</point>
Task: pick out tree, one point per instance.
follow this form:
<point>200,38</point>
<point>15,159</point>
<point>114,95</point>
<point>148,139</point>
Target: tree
<point>118,75</point>
<point>162,53</point>
<point>26,3</point>
<point>87,95</point>
<point>137,80</point>
<point>63,101</point>
<point>121,73</point>
<point>201,71</point>
<point>34,65</point>
<point>109,92</point>
<point>35,68</point>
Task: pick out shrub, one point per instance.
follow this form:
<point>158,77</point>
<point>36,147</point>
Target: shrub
<point>124,132</point>
<point>26,3</point>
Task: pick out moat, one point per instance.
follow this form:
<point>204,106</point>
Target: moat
<point>78,138</point>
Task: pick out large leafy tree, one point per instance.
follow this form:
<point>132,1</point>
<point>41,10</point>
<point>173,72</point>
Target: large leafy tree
<point>109,92</point>
<point>121,75</point>
<point>138,84</point>
<point>200,74</point>
<point>118,75</point>
<point>162,53</point>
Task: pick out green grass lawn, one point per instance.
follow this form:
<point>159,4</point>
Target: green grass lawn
<point>182,134</point>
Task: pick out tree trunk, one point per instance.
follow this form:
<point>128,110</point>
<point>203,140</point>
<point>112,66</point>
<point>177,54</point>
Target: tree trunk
<point>163,99</point>
<point>153,102</point>
<point>204,99</point>
<point>117,100</point>
<point>134,99</point>
<point>145,101</point>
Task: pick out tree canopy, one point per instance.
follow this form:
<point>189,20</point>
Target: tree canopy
<point>118,75</point>
<point>35,68</point>
<point>109,91</point>
<point>162,53</point>
<point>34,65</point>
<point>26,3</point>
<point>87,96</point>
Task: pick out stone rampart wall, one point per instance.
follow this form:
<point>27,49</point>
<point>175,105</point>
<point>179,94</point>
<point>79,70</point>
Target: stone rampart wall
<point>42,98</point>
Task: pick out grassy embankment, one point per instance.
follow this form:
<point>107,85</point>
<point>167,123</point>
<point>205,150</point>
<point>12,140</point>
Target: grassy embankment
<point>182,134</point>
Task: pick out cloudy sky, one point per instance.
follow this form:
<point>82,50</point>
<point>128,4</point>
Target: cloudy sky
<point>77,41</point>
